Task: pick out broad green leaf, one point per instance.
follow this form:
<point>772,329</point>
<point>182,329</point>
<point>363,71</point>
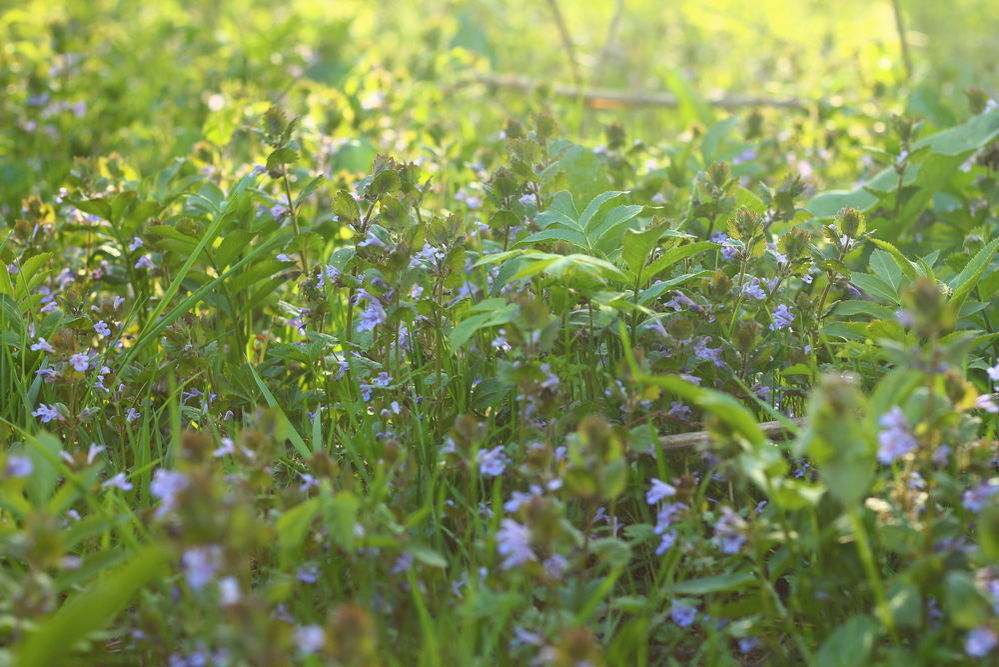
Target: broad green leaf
<point>716,584</point>
<point>90,610</point>
<point>964,282</point>
<point>674,255</point>
<point>850,644</point>
<point>637,244</point>
<point>591,210</point>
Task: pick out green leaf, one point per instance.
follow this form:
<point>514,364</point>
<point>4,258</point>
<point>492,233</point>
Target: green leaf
<point>705,585</point>
<point>874,286</point>
<point>90,610</point>
<point>850,644</point>
<point>591,210</point>
<point>883,265</point>
<point>964,282</point>
<point>556,234</point>
<point>906,265</point>
<point>585,172</point>
<point>637,244</point>
<point>674,255</point>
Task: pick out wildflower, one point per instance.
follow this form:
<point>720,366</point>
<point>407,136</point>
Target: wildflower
<point>986,402</point>
<point>518,498</point>
<point>666,515</point>
<point>200,565</point>
<point>372,316</point>
<point>42,345</point>
<point>50,308</point>
<point>492,462</point>
<point>228,447</point>
<point>659,490</point>
<point>702,351</point>
<point>102,328</point>
<point>551,381</point>
<point>975,498</point>
<point>135,244</point>
<point>47,413</point>
<point>228,591</point>
<point>500,342</point>
<point>118,300</point>
<point>310,638</point>
<point>402,563</point>
<point>79,362</point>
<point>894,438</point>
<point>680,410</point>
<point>308,574</point>
<point>993,373</point>
<point>167,485</point>
<point>728,532</point>
<point>682,614</point>
<point>145,262</point>
<point>748,644</point>
<point>18,466</point>
<point>50,375</point>
<point>118,482</point>
<point>782,318</point>
<point>753,289</point>
<point>284,257</point>
<point>513,543</point>
<point>980,642</point>
<point>555,566</point>
<point>132,415</point>
<point>668,540</point>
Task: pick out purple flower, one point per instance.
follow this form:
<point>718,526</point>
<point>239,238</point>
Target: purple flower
<point>748,644</point>
<point>47,413</point>
<point>310,638</point>
<point>200,565</point>
<point>308,574</point>
<point>79,362</point>
<point>372,316</point>
<point>782,318</point>
<point>729,532</point>
<point>145,262</point>
<point>993,373</point>
<point>666,515</point>
<point>118,482</point>
<point>682,614</point>
<point>680,410</point>
<point>371,239</point>
<point>753,289</point>
<point>135,244</point>
<point>513,542</point>
<point>102,328</point>
<point>980,642</point>
<point>975,498</point>
<point>894,438</point>
<point>132,415</point>
<point>668,540</point>
<point>18,466</point>
<point>492,462</point>
<point>658,491</point>
<point>42,345</point>
<point>166,486</point>
<point>702,351</point>
<point>228,591</point>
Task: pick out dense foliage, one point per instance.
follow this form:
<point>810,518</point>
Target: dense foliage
<point>319,355</point>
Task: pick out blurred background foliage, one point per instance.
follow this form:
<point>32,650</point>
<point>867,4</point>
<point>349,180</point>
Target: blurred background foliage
<point>140,79</point>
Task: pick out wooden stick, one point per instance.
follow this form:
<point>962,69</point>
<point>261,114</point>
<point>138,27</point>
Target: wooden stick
<point>773,430</point>
<point>615,98</point>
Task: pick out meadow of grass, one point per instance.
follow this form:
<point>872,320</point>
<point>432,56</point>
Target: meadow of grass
<point>490,332</point>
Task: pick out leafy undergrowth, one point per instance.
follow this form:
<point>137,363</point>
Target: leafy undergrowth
<point>261,408</point>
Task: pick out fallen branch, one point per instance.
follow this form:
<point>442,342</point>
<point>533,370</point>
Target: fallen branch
<point>773,430</point>
<point>610,98</point>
